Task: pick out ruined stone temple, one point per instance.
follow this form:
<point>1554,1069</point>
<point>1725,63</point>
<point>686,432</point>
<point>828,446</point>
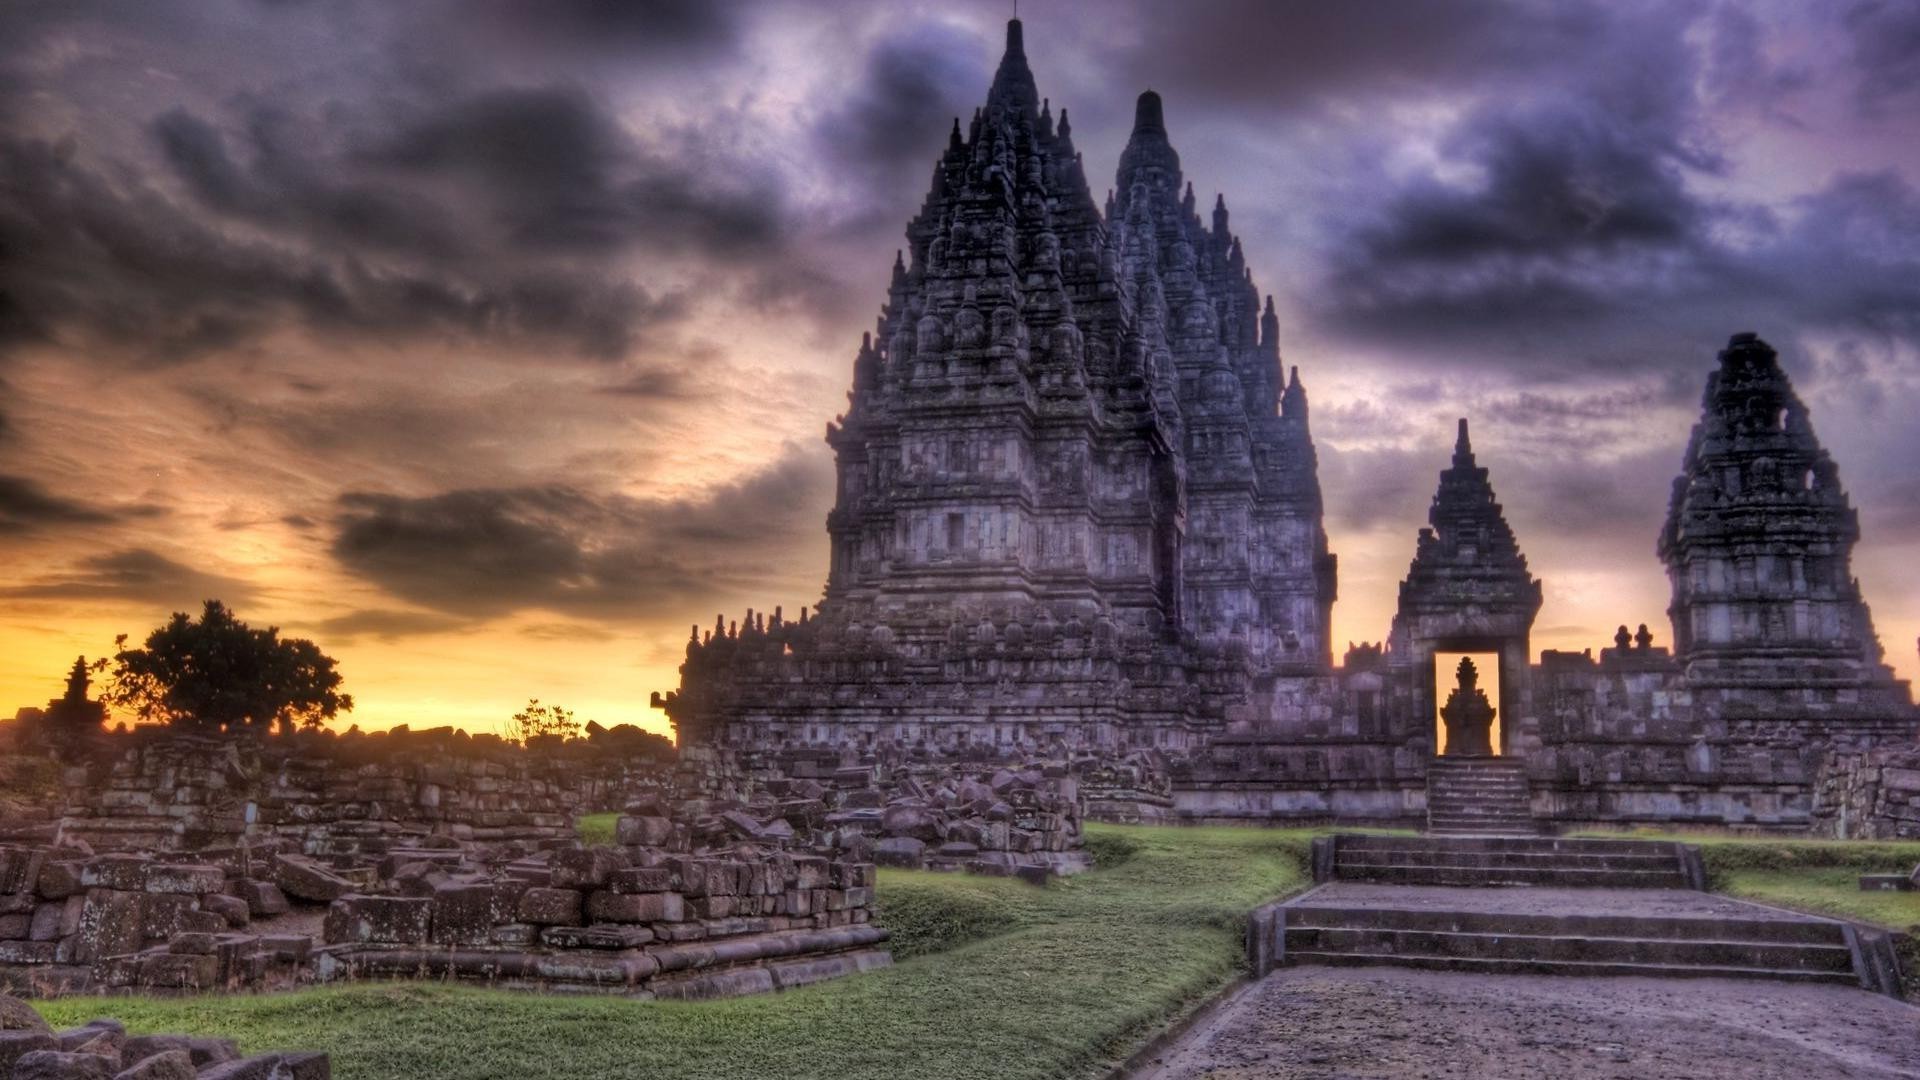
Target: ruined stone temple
<point>1078,510</point>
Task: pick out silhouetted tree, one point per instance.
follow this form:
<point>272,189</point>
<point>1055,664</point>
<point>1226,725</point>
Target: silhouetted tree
<point>537,720</point>
<point>73,717</point>
<point>219,674</point>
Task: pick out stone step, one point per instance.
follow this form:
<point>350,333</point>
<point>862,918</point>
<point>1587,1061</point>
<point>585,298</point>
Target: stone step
<point>1807,931</point>
<point>1670,878</point>
<point>1663,951</point>
<point>1569,844</point>
<point>1499,787</point>
<point>1508,859</point>
<point>1566,967</point>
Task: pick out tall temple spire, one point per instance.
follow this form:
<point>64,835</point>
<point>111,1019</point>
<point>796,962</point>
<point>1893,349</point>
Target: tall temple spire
<point>1759,539</point>
<point>1462,447</point>
<point>1013,85</point>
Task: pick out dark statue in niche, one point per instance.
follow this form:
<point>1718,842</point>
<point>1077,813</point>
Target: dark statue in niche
<point>1468,715</point>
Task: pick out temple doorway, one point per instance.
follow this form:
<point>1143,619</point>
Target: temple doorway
<point>1446,679</point>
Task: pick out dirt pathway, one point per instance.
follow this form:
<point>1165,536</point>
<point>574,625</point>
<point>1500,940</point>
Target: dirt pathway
<point>1350,1023</point>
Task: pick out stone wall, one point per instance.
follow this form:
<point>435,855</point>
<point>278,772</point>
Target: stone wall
<point>623,920</point>
<point>1872,795</point>
<point>152,790</point>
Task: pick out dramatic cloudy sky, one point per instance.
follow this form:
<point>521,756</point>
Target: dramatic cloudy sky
<point>491,342</point>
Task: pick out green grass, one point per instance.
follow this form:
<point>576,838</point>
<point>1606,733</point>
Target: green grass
<point>1828,892</point>
<point>1821,876</point>
<point>995,979</point>
<point>596,828</point>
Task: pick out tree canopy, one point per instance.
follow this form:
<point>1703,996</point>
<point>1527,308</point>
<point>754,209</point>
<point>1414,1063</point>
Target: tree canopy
<point>219,674</point>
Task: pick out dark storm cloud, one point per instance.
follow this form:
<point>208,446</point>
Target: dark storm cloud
<point>895,117</point>
<point>1265,55</point>
<point>26,506</point>
<point>1580,238</point>
<point>1561,182</point>
<point>484,552</point>
<point>109,259</point>
<point>560,173</point>
<point>137,575</point>
<point>683,29</point>
<point>1884,36</point>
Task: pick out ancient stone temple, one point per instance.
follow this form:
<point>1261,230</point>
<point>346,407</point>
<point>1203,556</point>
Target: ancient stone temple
<point>1468,590</point>
<point>1078,510</point>
<point>1759,542</point>
<point>1075,497</point>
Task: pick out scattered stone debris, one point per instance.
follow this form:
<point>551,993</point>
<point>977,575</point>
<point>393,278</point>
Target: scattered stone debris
<point>30,1049</point>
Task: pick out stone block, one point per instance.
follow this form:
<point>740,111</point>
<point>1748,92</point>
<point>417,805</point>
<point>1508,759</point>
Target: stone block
<point>16,1044</point>
<point>166,1065</point>
<point>17,1015</point>
<point>462,913</point>
<point>231,909</point>
<point>201,1051</point>
<point>162,915</point>
<point>60,1065</point>
<point>263,898</point>
<point>109,925</point>
<point>179,971</point>
<point>29,952</point>
<point>124,873</point>
<point>596,937</point>
<point>551,907</point>
<point>604,906</point>
<point>901,851</point>
<point>59,880</point>
<point>389,920</point>
<point>193,878</point>
<point>585,868</point>
<point>305,879</point>
<point>646,831</point>
<point>641,879</point>
<point>909,820</point>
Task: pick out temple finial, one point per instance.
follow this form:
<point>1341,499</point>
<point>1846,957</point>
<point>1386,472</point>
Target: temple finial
<point>1462,446</point>
<point>1147,114</point>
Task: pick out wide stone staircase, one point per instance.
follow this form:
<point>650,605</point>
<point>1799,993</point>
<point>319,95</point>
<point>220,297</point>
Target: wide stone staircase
<point>1509,943</point>
<point>1550,906</point>
<point>1478,796</point>
<point>1479,861</point>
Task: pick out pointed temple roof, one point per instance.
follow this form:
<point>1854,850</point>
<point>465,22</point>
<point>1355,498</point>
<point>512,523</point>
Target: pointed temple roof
<point>1759,536</point>
<point>1469,552</point>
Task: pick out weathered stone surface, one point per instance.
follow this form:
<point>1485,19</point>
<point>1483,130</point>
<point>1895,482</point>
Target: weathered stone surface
<point>263,898</point>
<point>58,1065</point>
<point>18,1044</point>
<point>585,868</point>
<point>356,919</point>
<point>308,880</point>
<point>550,907</point>
<point>201,1050</point>
<point>17,1015</point>
<point>462,913</point>
<point>903,851</point>
<point>166,1065</point>
<point>635,907</point>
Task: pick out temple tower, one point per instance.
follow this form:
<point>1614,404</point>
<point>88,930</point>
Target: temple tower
<point>1468,590</point>
<point>1758,543</point>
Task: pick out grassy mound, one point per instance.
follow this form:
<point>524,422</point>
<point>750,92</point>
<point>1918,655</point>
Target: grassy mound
<point>996,978</point>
